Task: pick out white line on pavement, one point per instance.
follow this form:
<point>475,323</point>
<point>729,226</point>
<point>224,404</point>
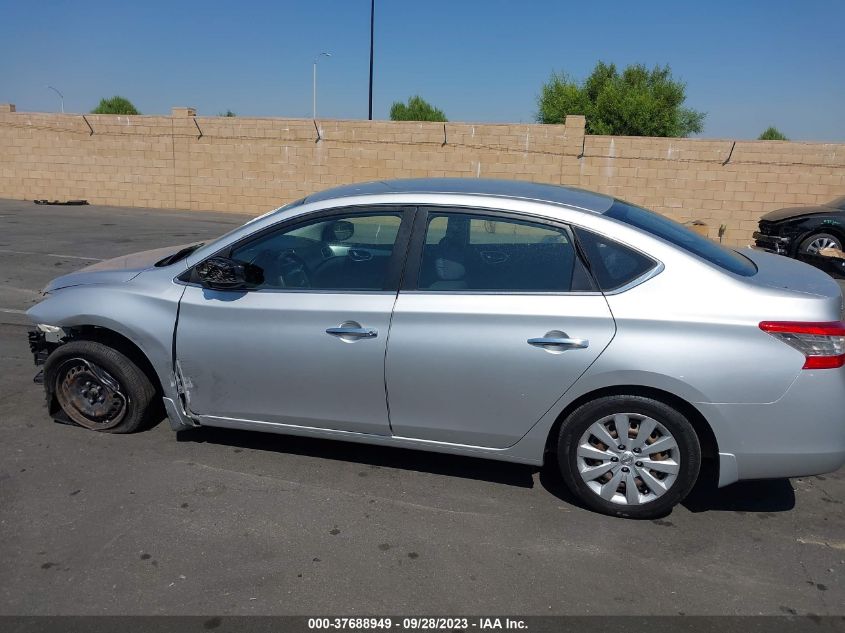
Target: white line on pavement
<point>90,259</point>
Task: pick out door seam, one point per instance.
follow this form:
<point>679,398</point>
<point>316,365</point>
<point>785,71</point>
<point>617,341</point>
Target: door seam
<point>410,239</point>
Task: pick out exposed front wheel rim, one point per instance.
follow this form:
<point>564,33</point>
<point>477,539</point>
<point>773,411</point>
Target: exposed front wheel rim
<point>819,244</point>
<point>90,395</point>
<point>629,459</point>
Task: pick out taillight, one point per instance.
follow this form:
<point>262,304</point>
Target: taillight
<point>823,344</point>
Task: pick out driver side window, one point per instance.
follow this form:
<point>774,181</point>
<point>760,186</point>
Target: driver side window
<point>340,252</point>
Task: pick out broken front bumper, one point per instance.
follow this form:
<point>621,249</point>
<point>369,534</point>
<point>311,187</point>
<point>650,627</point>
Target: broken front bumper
<point>40,351</point>
<point>771,243</point>
<point>833,266</point>
<point>42,341</point>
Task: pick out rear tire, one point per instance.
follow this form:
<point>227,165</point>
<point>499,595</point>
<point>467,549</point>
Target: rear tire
<point>623,476</point>
<point>98,387</point>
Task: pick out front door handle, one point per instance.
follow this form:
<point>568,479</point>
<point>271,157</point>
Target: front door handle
<point>352,332</point>
<point>559,343</point>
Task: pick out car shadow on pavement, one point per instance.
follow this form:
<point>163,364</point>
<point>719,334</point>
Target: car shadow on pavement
<point>382,456</point>
<point>765,495</point>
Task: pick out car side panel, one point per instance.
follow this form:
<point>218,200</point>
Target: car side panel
<point>459,367</point>
<point>803,433</point>
<point>143,310</point>
<point>267,357</point>
<point>699,340</point>
<point>702,328</point>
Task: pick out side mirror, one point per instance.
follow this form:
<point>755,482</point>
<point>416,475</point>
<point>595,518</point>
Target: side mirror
<point>222,273</point>
<point>340,231</point>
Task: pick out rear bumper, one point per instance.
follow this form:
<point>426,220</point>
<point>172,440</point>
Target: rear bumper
<point>801,434</point>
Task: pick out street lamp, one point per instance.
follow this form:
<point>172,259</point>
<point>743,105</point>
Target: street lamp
<point>314,94</point>
<point>372,24</point>
<point>61,96</point>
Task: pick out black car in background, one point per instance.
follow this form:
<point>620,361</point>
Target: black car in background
<point>802,232</point>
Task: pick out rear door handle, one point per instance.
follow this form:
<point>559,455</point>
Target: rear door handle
<point>560,343</point>
<point>352,332</point>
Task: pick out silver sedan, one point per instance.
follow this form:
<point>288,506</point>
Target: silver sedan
<point>508,320</point>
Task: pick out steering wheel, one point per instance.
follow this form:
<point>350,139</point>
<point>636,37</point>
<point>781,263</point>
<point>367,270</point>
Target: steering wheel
<point>293,271</point>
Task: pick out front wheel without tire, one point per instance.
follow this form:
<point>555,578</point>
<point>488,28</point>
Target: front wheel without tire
<point>628,456</point>
<point>98,387</point>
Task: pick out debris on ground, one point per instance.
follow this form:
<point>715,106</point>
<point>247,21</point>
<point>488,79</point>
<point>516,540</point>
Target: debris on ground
<point>830,251</point>
<point>75,202</point>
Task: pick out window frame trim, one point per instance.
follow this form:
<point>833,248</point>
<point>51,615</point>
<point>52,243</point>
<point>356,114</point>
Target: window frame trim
<point>657,265</point>
<point>413,261</point>
<point>395,267</point>
<point>679,247</point>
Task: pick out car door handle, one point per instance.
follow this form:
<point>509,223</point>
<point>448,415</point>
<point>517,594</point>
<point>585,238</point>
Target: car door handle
<point>352,332</point>
<point>359,255</point>
<point>569,343</point>
<point>494,257</point>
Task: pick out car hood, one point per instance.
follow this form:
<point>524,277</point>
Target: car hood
<point>117,270</point>
<point>794,212</point>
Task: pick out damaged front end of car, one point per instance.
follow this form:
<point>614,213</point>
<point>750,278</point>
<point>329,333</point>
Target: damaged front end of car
<point>42,341</point>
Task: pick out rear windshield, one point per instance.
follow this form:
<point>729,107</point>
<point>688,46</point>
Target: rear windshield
<point>682,237</point>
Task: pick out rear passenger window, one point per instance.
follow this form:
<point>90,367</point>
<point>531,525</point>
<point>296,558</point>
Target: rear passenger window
<point>682,237</point>
<point>612,264</point>
<point>490,253</point>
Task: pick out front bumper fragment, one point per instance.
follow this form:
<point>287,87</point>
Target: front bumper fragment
<point>42,342</point>
<point>39,346</point>
<point>771,243</point>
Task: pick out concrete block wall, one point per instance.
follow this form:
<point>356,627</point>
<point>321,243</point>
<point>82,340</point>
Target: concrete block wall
<point>251,165</point>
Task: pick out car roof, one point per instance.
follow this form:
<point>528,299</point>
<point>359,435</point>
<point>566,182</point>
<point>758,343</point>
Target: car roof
<point>517,189</point>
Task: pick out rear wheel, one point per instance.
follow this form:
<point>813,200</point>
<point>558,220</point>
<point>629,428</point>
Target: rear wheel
<point>98,387</point>
<point>817,242</point>
<point>629,456</point>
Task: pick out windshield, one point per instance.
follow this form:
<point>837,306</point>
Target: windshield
<point>288,206</point>
<point>681,236</point>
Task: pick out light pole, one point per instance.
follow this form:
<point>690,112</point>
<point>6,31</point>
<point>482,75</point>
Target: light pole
<point>372,24</point>
<point>61,97</point>
<point>314,94</point>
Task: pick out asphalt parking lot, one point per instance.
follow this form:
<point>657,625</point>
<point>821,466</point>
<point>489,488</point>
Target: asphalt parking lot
<point>224,522</point>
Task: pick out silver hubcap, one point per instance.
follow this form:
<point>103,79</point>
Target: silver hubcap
<point>819,244</point>
<point>628,458</point>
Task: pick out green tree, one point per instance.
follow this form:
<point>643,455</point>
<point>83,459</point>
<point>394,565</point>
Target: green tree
<point>115,105</point>
<point>771,133</point>
<point>227,113</point>
<point>635,102</point>
<point>417,109</point>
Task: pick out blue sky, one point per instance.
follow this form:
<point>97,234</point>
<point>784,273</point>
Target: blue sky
<point>747,64</point>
